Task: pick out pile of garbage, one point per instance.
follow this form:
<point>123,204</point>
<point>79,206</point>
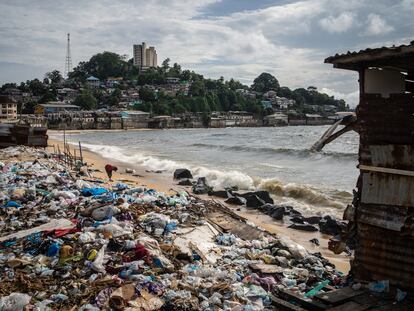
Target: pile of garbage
<point>74,244</point>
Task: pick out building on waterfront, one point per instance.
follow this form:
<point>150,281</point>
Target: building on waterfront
<point>54,107</point>
<point>8,108</point>
<point>276,119</point>
<point>144,57</point>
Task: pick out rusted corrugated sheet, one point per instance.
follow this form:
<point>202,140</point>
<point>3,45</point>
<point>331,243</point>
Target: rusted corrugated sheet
<point>387,189</point>
<point>384,255</point>
<point>385,246</point>
<point>383,216</point>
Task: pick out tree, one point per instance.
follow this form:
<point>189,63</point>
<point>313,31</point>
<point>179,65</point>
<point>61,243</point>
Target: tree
<point>47,97</point>
<point>114,98</point>
<point>54,76</point>
<point>175,71</point>
<point>28,108</point>
<point>166,64</point>
<point>102,65</point>
<point>265,82</point>
<point>86,100</point>
<point>197,88</point>
<point>147,95</point>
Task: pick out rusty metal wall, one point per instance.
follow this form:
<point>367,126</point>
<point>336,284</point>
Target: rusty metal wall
<point>385,202</point>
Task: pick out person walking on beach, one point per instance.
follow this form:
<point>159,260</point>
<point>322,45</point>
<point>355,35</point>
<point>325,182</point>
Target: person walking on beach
<point>109,169</point>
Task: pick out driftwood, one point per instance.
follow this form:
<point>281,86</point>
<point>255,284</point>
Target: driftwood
<point>329,136</point>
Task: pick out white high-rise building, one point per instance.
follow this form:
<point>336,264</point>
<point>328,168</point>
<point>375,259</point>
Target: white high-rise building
<point>144,57</point>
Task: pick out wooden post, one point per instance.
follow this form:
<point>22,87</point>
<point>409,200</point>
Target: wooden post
<point>80,151</point>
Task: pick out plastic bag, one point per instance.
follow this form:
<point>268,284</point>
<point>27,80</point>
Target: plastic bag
<point>97,264</point>
<point>14,302</point>
<point>87,192</point>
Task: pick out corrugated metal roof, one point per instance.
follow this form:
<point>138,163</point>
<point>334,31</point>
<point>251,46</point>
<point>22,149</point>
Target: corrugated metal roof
<point>372,53</point>
<point>394,57</point>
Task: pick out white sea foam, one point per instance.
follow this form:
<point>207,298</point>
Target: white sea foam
<point>303,197</point>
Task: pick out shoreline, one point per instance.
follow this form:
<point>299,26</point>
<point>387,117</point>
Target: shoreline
<point>164,183</point>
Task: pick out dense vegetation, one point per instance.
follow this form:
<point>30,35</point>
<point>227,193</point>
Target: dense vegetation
<point>204,94</point>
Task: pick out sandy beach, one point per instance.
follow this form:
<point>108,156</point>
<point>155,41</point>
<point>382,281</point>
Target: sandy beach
<point>163,181</point>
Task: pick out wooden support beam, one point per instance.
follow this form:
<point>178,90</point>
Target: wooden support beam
<point>385,170</point>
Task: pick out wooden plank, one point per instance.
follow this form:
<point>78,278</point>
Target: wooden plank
<point>308,304</point>
<point>350,306</point>
<point>385,170</point>
<point>239,228</point>
<point>337,296</point>
<point>283,305</point>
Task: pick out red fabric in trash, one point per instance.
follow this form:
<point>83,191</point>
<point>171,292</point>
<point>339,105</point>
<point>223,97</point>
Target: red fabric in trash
<point>141,252</point>
<point>57,233</point>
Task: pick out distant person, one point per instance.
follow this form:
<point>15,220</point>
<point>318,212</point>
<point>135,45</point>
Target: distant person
<point>109,169</point>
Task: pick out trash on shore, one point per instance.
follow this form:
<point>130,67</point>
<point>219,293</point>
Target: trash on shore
<point>70,243</point>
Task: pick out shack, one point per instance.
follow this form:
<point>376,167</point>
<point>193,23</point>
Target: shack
<point>381,216</point>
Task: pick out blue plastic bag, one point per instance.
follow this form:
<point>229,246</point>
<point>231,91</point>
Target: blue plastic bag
<point>13,204</point>
<point>87,192</point>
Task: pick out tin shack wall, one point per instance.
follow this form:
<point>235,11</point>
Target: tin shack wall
<point>385,202</point>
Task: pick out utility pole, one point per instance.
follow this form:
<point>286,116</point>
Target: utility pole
<point>68,62</point>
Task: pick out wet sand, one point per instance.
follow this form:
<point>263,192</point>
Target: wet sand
<point>165,183</point>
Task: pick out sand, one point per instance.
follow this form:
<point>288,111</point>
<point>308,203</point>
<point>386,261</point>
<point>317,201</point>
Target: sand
<point>164,182</point>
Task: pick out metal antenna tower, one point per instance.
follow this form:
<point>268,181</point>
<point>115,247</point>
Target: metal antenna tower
<point>68,62</point>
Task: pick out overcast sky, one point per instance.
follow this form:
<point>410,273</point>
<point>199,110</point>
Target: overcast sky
<point>230,38</point>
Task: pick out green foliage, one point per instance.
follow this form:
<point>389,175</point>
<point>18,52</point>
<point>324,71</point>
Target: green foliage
<point>54,76</point>
<point>28,108</point>
<point>114,98</point>
<point>147,95</point>
<point>197,88</point>
<point>50,95</point>
<point>166,64</point>
<point>102,66</point>
<point>86,100</point>
<point>265,82</point>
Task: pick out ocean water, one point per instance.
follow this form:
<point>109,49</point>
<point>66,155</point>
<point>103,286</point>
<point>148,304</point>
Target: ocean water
<point>273,159</point>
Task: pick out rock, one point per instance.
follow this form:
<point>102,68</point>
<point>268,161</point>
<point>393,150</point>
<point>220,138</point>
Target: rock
<point>278,212</point>
<point>201,187</point>
<point>303,227</point>
<point>264,195</point>
<point>315,241</point>
<point>254,201</point>
<point>221,194</point>
<point>129,171</point>
<point>313,220</point>
<point>182,173</point>
<point>329,225</point>
<point>236,200</point>
<point>297,219</point>
<point>185,182</point>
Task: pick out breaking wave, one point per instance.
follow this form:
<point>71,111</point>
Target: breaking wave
<point>302,196</point>
<point>283,151</point>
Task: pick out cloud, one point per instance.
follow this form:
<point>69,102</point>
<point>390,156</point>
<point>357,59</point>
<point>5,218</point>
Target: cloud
<point>352,99</point>
<point>338,24</point>
<point>290,39</point>
<point>376,25</point>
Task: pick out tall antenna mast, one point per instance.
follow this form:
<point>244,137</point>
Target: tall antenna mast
<point>68,62</point>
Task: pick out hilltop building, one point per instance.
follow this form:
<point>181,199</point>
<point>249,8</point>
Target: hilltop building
<point>144,57</point>
<point>93,82</point>
<point>8,108</point>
